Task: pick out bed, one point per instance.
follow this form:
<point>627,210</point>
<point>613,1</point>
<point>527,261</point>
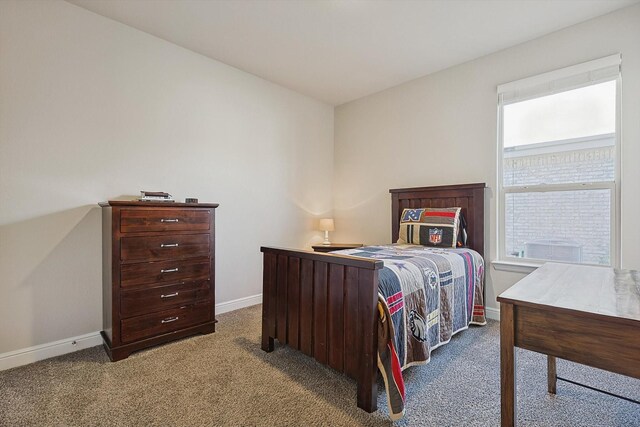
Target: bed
<point>326,304</point>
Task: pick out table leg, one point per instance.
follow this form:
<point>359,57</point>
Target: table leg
<point>551,374</point>
<point>507,366</point>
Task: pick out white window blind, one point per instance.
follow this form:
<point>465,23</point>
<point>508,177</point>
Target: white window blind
<point>568,78</point>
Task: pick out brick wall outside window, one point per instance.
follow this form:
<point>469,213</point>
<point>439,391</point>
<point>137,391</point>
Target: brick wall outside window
<point>573,217</point>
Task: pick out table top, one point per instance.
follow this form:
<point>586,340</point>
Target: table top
<point>150,204</point>
<point>337,246</point>
<point>589,289</point>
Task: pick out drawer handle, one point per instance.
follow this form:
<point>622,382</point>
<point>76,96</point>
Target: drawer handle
<point>169,245</point>
<point>175,294</point>
<point>169,270</point>
<point>169,319</point>
<point>169,220</point>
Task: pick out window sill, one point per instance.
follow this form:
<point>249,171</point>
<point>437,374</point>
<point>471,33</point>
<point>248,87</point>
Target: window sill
<point>516,267</point>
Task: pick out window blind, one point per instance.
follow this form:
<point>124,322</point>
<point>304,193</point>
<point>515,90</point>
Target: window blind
<point>591,72</point>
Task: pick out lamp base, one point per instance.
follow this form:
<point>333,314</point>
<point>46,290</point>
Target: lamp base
<point>326,239</point>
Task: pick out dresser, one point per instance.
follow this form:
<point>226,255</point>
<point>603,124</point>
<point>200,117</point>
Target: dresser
<point>158,273</point>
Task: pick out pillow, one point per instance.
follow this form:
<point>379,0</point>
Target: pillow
<point>441,227</point>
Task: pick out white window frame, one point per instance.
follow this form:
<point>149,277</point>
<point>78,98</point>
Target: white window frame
<point>543,85</point>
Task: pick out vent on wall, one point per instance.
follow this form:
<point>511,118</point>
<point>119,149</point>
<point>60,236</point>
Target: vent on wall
<point>553,250</point>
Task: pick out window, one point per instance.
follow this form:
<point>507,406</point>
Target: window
<point>558,166</point>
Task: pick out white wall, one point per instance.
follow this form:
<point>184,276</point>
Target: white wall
<point>441,129</point>
<point>91,110</point>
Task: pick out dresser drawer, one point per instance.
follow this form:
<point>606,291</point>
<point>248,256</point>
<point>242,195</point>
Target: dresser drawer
<point>143,301</point>
<point>156,248</point>
<point>148,325</point>
<point>163,272</point>
<point>143,220</point>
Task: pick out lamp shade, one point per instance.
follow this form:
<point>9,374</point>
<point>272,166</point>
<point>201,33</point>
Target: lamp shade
<point>326,224</point>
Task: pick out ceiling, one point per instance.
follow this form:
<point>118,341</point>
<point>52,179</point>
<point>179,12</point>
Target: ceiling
<point>340,50</point>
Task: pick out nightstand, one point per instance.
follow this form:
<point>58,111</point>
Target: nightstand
<point>335,247</point>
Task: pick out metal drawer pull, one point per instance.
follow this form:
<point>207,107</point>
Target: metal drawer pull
<point>169,270</point>
<point>170,319</point>
<point>169,220</point>
<point>175,294</point>
<point>169,245</point>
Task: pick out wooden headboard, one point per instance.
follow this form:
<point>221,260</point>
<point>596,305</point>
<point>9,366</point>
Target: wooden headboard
<point>469,197</point>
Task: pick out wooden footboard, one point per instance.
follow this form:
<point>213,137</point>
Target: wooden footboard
<point>325,306</point>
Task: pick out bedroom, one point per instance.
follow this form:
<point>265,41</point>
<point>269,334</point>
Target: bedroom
<point>93,109</point>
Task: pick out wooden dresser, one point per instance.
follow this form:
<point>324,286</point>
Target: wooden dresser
<point>158,275</point>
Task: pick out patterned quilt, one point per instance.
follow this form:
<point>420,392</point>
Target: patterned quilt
<point>430,294</point>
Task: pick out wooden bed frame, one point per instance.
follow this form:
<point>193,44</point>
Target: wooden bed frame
<point>325,305</point>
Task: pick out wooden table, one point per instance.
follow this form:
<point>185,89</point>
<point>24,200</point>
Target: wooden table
<point>335,247</point>
<point>589,315</point>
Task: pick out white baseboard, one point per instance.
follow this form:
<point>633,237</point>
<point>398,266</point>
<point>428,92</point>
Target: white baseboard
<point>493,313</point>
<point>236,304</point>
<point>13,359</point>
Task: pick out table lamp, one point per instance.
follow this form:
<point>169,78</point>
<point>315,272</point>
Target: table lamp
<point>326,225</point>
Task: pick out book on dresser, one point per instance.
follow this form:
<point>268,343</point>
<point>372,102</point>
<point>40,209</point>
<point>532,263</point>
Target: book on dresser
<point>158,273</point>
<point>155,196</point>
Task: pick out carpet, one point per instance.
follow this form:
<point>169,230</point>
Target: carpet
<point>225,379</point>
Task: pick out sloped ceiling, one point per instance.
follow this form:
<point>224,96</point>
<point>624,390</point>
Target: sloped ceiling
<point>340,50</point>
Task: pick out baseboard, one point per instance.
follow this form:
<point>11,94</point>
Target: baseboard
<point>13,359</point>
<point>236,304</point>
<point>493,313</point>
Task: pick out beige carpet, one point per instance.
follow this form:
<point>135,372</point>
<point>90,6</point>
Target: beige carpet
<point>224,379</point>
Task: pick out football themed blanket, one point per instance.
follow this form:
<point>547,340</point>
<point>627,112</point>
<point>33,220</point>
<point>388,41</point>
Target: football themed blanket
<point>426,295</point>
